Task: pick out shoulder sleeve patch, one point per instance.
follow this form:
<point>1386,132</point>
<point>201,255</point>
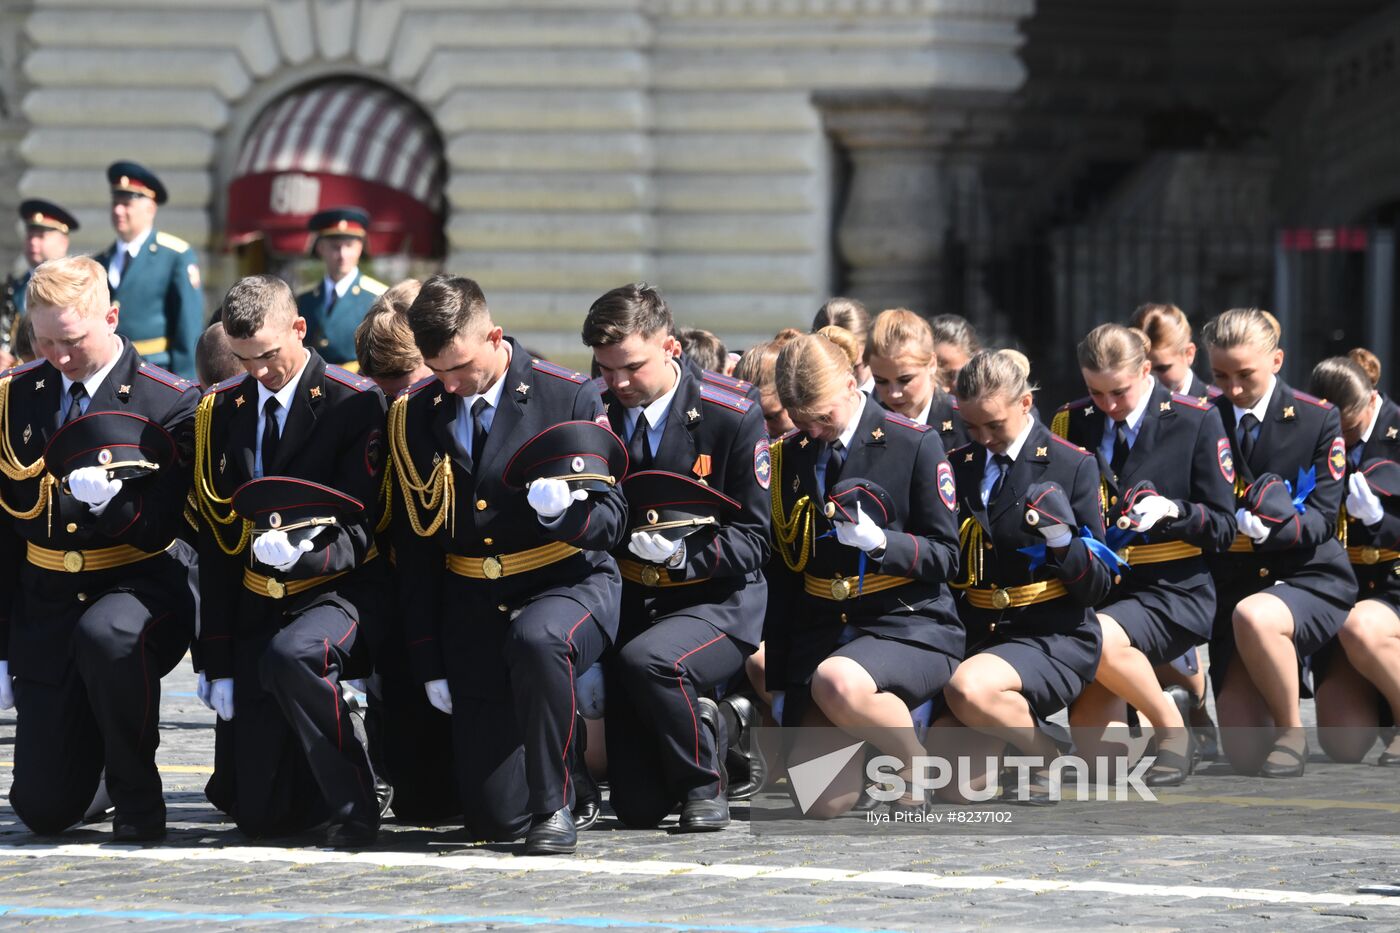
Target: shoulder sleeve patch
<point>346,378</point>
<point>718,396</point>
<point>559,372</point>
<point>171,241</point>
<point>1190,401</point>
<point>164,377</point>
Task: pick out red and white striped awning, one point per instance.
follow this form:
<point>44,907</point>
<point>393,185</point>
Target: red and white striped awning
<point>345,141</point>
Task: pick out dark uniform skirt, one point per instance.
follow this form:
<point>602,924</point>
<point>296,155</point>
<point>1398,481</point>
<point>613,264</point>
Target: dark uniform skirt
<point>1168,616</point>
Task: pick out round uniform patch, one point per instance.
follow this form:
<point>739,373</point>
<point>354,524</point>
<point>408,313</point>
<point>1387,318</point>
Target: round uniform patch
<point>762,463</point>
<point>1337,458</point>
<point>947,489</point>
<point>374,453</point>
<point>1226,458</point>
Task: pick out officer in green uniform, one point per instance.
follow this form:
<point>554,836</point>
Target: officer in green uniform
<point>46,229</point>
<point>335,307</point>
<point>154,276</point>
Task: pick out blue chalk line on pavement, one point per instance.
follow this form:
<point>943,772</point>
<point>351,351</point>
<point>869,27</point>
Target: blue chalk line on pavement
<point>604,923</point>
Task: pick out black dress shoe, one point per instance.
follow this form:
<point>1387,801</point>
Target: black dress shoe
<point>586,813</point>
<point>705,816</point>
<point>552,834</point>
<point>1388,759</point>
<point>350,836</point>
<point>1184,700</point>
<point>1169,770</point>
<point>1284,762</point>
<point>383,795</point>
<point>137,832</point>
<point>743,760</point>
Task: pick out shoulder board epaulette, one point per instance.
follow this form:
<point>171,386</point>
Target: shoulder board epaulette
<point>1077,403</point>
<point>559,372</point>
<point>961,451</point>
<point>1190,401</point>
<point>1214,391</point>
<point>373,285</point>
<point>22,368</point>
<point>1074,447</point>
<point>718,396</point>
<point>346,378</point>
<point>738,386</point>
<point>790,434</point>
<point>1312,399</point>
<point>164,377</point>
<point>418,386</point>
<point>894,417</point>
<point>171,241</point>
<point>227,384</point>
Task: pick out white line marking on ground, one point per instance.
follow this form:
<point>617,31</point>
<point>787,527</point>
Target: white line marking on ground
<point>583,866</point>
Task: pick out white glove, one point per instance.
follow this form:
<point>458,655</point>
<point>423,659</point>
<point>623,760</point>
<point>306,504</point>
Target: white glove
<point>1251,525</point>
<point>654,547</point>
<point>276,550</point>
<point>1149,510</point>
<point>862,533</point>
<point>7,689</point>
<point>439,695</point>
<point>202,691</point>
<point>221,697</point>
<point>1362,502</point>
<point>550,497</point>
<point>90,486</point>
<point>1056,535</point>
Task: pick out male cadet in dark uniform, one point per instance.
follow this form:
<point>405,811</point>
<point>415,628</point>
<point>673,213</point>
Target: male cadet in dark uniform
<point>692,606</point>
<point>527,596</point>
<point>95,449</point>
<point>46,229</point>
<point>293,596</point>
<point>335,307</point>
<point>154,276</point>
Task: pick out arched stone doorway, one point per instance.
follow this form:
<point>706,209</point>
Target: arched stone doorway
<point>335,141</point>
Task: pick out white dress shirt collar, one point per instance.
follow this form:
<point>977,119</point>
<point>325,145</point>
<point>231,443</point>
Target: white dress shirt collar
<point>854,424</point>
<point>1261,407</point>
<point>658,410</point>
<point>284,395</point>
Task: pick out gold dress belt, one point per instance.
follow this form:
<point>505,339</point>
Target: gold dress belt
<point>1158,553</point>
<point>634,571</point>
<point>841,588</point>
<point>1014,597</point>
<point>280,589</point>
<point>1365,554</point>
<point>103,558</point>
<point>507,565</point>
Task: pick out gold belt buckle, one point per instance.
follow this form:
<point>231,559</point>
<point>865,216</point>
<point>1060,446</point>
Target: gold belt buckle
<point>1001,598</point>
<point>491,567</point>
<point>276,588</point>
<point>840,588</point>
<point>73,561</point>
<point>650,575</point>
<point>1370,555</point>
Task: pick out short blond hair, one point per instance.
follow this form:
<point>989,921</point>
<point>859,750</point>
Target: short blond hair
<point>1243,326</point>
<point>77,282</point>
<point>900,329</point>
<point>384,345</point>
<point>1166,326</point>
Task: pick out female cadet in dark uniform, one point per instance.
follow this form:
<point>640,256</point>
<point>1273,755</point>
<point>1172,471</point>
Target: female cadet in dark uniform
<point>870,631</point>
<point>1169,482</point>
<point>899,352</point>
<point>1357,676</point>
<point>1284,588</point>
<point>1033,641</point>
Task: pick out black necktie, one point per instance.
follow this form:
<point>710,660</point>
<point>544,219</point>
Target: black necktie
<point>1120,446</point>
<point>270,434</point>
<point>478,429</point>
<point>76,393</point>
<point>835,461</point>
<point>639,445</point>
<point>1247,425</point>
<point>1003,463</point>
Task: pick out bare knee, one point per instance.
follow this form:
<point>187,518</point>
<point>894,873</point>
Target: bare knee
<point>836,686</point>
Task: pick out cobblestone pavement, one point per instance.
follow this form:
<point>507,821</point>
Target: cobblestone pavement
<point>205,875</point>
